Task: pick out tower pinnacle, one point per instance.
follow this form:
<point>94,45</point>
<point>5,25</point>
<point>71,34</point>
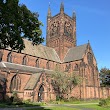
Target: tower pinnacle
<point>74,14</point>
<point>49,11</point>
<point>62,7</point>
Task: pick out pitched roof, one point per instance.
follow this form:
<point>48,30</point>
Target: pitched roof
<point>75,53</point>
<point>40,51</point>
<point>32,81</point>
<point>23,68</point>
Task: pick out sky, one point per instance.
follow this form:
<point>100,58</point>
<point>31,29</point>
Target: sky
<point>92,23</point>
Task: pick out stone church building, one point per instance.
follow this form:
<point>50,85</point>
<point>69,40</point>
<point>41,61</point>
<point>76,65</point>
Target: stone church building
<point>25,72</point>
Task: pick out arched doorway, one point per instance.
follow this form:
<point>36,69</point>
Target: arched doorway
<point>41,94</point>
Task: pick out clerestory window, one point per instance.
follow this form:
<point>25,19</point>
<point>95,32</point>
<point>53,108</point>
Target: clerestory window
<point>9,57</point>
<point>24,62</point>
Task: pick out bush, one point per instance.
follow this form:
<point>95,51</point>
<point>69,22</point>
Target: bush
<point>58,98</point>
<point>28,101</point>
<point>104,102</point>
<point>71,99</point>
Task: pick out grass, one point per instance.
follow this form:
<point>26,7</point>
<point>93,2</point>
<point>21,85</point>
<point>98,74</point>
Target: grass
<point>59,105</point>
<point>8,105</point>
<point>74,102</point>
<point>54,108</point>
<point>95,107</point>
<point>90,106</point>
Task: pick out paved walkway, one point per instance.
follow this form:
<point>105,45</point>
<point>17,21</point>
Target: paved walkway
<point>54,105</point>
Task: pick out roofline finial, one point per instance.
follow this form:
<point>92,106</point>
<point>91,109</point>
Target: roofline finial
<point>49,11</point>
<point>62,7</point>
<point>74,14</point>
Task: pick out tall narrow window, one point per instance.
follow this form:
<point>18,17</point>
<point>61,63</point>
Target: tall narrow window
<point>9,58</point>
<point>47,65</point>
<point>15,83</point>
<point>68,66</point>
<point>37,63</point>
<point>76,67</point>
<point>1,54</point>
<point>41,93</point>
<point>90,58</point>
<point>24,60</point>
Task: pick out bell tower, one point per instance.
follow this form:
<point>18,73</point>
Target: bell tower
<point>61,32</point>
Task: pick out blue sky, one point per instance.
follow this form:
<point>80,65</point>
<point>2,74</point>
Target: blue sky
<point>93,22</point>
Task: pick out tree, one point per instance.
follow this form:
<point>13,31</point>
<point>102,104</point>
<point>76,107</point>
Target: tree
<point>105,76</point>
<point>63,82</point>
<point>16,23</point>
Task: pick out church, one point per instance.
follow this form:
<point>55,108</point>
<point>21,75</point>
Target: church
<point>25,72</point>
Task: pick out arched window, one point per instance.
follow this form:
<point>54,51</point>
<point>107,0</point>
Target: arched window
<point>24,62</point>
<point>15,83</point>
<point>76,67</point>
<point>9,57</point>
<point>1,54</point>
<point>47,65</point>
<point>68,66</point>
<point>37,63</point>
<point>41,89</point>
<point>41,93</point>
<point>90,58</point>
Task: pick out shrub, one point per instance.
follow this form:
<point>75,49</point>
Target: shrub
<point>73,99</point>
<point>58,98</point>
<point>104,102</point>
<point>28,101</point>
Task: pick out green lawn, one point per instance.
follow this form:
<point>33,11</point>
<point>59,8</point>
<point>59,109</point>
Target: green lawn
<point>76,105</point>
<point>54,108</point>
<point>74,102</point>
<point>95,107</point>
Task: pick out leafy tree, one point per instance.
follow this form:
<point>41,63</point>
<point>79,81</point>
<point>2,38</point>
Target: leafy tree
<point>63,82</point>
<point>16,21</point>
<point>105,76</point>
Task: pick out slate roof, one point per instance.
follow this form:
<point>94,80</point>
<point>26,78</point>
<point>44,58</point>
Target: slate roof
<point>40,51</point>
<point>23,68</point>
<point>75,53</point>
<point>32,81</point>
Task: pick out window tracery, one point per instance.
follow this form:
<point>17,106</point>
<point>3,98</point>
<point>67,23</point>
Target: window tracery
<point>55,28</point>
<point>15,83</point>
<point>68,29</point>
<point>90,58</point>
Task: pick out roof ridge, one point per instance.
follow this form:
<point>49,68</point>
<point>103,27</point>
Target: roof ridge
<point>66,54</point>
<point>80,45</point>
<point>41,51</point>
<point>57,55</point>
